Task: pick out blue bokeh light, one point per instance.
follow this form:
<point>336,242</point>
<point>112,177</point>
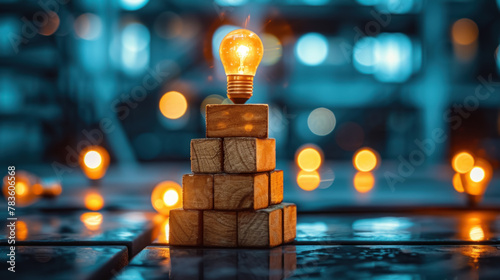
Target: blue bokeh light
<point>132,5</point>
<point>312,49</point>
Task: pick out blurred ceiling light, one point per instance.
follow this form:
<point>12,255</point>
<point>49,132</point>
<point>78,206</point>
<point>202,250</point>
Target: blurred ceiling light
<point>363,182</point>
<point>272,49</point>
<point>231,2</point>
<point>211,99</point>
<point>464,31</point>
<point>133,5</point>
<point>91,220</point>
<point>94,161</point>
<point>51,26</point>
<point>166,196</point>
<point>88,26</point>
<point>321,121</point>
<point>457,183</point>
<point>93,201</point>
<point>312,49</point>
<point>309,158</point>
<point>392,6</point>
<point>363,55</point>
<point>462,162</point>
<point>173,105</point>
<point>393,56</point>
<point>308,180</point>
<point>365,160</point>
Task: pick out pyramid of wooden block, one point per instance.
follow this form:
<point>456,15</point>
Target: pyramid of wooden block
<point>234,196</point>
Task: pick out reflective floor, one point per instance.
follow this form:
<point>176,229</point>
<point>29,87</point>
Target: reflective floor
<point>111,231</point>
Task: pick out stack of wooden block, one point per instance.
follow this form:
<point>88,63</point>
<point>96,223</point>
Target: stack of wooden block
<point>234,196</point>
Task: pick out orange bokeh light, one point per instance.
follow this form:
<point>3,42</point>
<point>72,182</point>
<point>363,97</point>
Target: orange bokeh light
<point>476,233</point>
<point>166,196</point>
<point>464,31</point>
<point>365,160</point>
<point>91,220</point>
<point>308,180</point>
<point>309,159</point>
<point>26,187</point>
<point>363,182</point>
<point>462,162</point>
<point>94,161</point>
<point>21,230</point>
<point>173,105</point>
<point>94,201</point>
<point>457,183</point>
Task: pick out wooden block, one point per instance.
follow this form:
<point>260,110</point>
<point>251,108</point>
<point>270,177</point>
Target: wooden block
<point>275,187</point>
<point>237,120</point>
<point>198,191</point>
<point>241,191</point>
<point>249,155</point>
<point>260,264</point>
<point>260,228</point>
<point>220,228</point>
<point>289,220</point>
<point>185,227</point>
<point>206,155</point>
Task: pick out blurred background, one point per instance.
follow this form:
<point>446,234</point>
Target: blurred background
<point>409,82</point>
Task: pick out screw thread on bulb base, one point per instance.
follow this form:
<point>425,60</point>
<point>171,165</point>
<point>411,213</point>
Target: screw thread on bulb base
<point>239,88</point>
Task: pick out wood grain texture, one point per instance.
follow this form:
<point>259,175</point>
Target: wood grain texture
<point>220,228</point>
<point>275,187</point>
<point>289,220</point>
<point>206,155</point>
<point>237,120</point>
<point>198,191</point>
<point>249,155</point>
<point>260,228</point>
<point>241,191</point>
<point>185,227</point>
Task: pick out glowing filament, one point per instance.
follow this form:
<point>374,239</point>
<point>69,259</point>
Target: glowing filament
<point>242,52</point>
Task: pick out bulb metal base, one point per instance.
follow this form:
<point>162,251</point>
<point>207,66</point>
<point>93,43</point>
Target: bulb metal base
<point>239,88</point>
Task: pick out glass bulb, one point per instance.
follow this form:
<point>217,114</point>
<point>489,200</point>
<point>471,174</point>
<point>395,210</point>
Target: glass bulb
<point>241,52</point>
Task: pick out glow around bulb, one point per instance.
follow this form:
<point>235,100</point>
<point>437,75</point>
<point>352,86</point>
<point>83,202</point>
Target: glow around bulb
<point>241,52</point>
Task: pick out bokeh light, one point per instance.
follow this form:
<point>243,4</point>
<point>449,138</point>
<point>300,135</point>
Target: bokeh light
<point>477,174</point>
<point>462,162</point>
<point>321,121</point>
<point>94,161</point>
<point>365,160</point>
<point>457,183</point>
<point>52,24</point>
<point>91,220</point>
<point>309,158</point>
<point>476,233</point>
<point>464,31</point>
<point>93,201</point>
<point>26,188</point>
<point>21,231</point>
<point>363,181</point>
<point>272,49</point>
<point>166,196</point>
<point>312,49</point>
<point>308,180</point>
<point>133,5</point>
<point>88,26</point>
<point>173,105</point>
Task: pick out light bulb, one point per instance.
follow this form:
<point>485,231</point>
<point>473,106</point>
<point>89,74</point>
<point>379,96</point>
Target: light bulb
<point>241,52</point>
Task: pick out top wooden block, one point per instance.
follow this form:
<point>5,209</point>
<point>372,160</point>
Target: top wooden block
<point>237,120</point>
